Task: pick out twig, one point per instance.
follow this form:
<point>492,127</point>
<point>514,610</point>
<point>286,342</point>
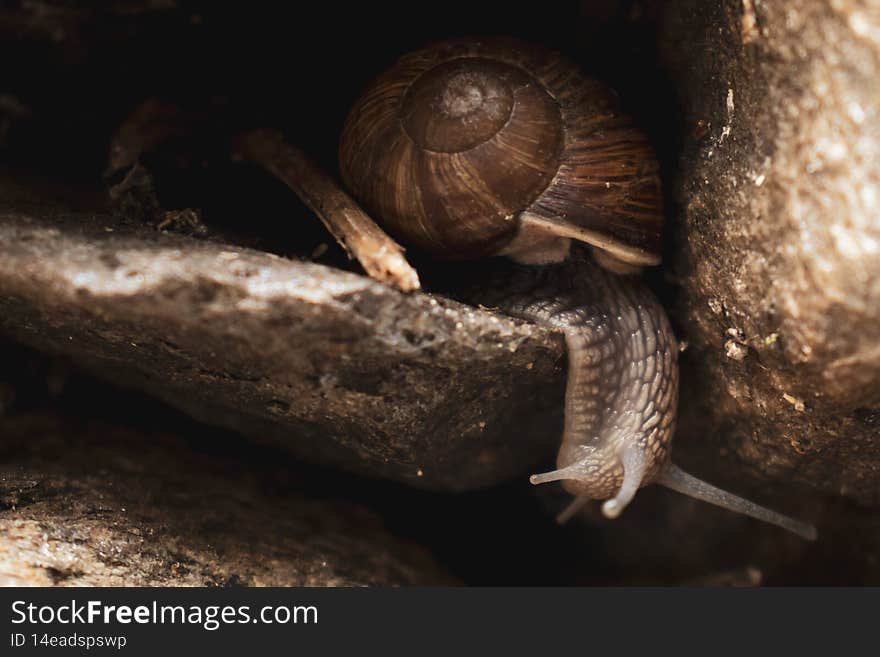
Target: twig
<point>380,256</point>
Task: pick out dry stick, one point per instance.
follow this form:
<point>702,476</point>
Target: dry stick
<point>379,255</point>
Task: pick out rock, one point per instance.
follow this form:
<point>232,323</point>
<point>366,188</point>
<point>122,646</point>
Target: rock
<point>336,367</point>
<point>777,238</point>
<point>90,504</point>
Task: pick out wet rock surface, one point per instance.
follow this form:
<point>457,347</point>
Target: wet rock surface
<point>777,238</point>
<point>336,367</point>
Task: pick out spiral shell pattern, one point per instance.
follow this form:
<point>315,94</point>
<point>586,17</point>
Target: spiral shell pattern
<point>454,143</point>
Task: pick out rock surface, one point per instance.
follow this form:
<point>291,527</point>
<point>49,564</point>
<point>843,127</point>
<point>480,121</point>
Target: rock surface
<point>90,504</point>
<point>777,237</point>
<point>338,368</point>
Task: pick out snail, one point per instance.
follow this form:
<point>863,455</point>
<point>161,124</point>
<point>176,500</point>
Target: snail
<point>474,148</point>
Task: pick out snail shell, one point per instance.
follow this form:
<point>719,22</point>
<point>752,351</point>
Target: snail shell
<point>473,148</point>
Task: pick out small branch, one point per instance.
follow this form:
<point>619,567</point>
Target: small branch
<point>380,256</point>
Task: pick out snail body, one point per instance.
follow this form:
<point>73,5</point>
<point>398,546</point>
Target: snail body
<point>622,388</point>
<point>476,148</point>
<point>621,396</point>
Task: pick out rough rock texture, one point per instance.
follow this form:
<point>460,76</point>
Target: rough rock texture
<point>339,368</point>
<point>84,503</point>
<point>777,238</point>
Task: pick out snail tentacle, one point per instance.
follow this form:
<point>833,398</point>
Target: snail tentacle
<point>576,506</point>
<point>680,481</point>
<point>634,463</point>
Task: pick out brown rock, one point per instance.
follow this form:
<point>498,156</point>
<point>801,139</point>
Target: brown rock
<point>336,367</point>
<point>777,238</point>
<point>91,504</point>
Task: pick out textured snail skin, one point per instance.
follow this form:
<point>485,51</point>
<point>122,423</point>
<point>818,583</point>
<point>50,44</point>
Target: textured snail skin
<point>622,390</point>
